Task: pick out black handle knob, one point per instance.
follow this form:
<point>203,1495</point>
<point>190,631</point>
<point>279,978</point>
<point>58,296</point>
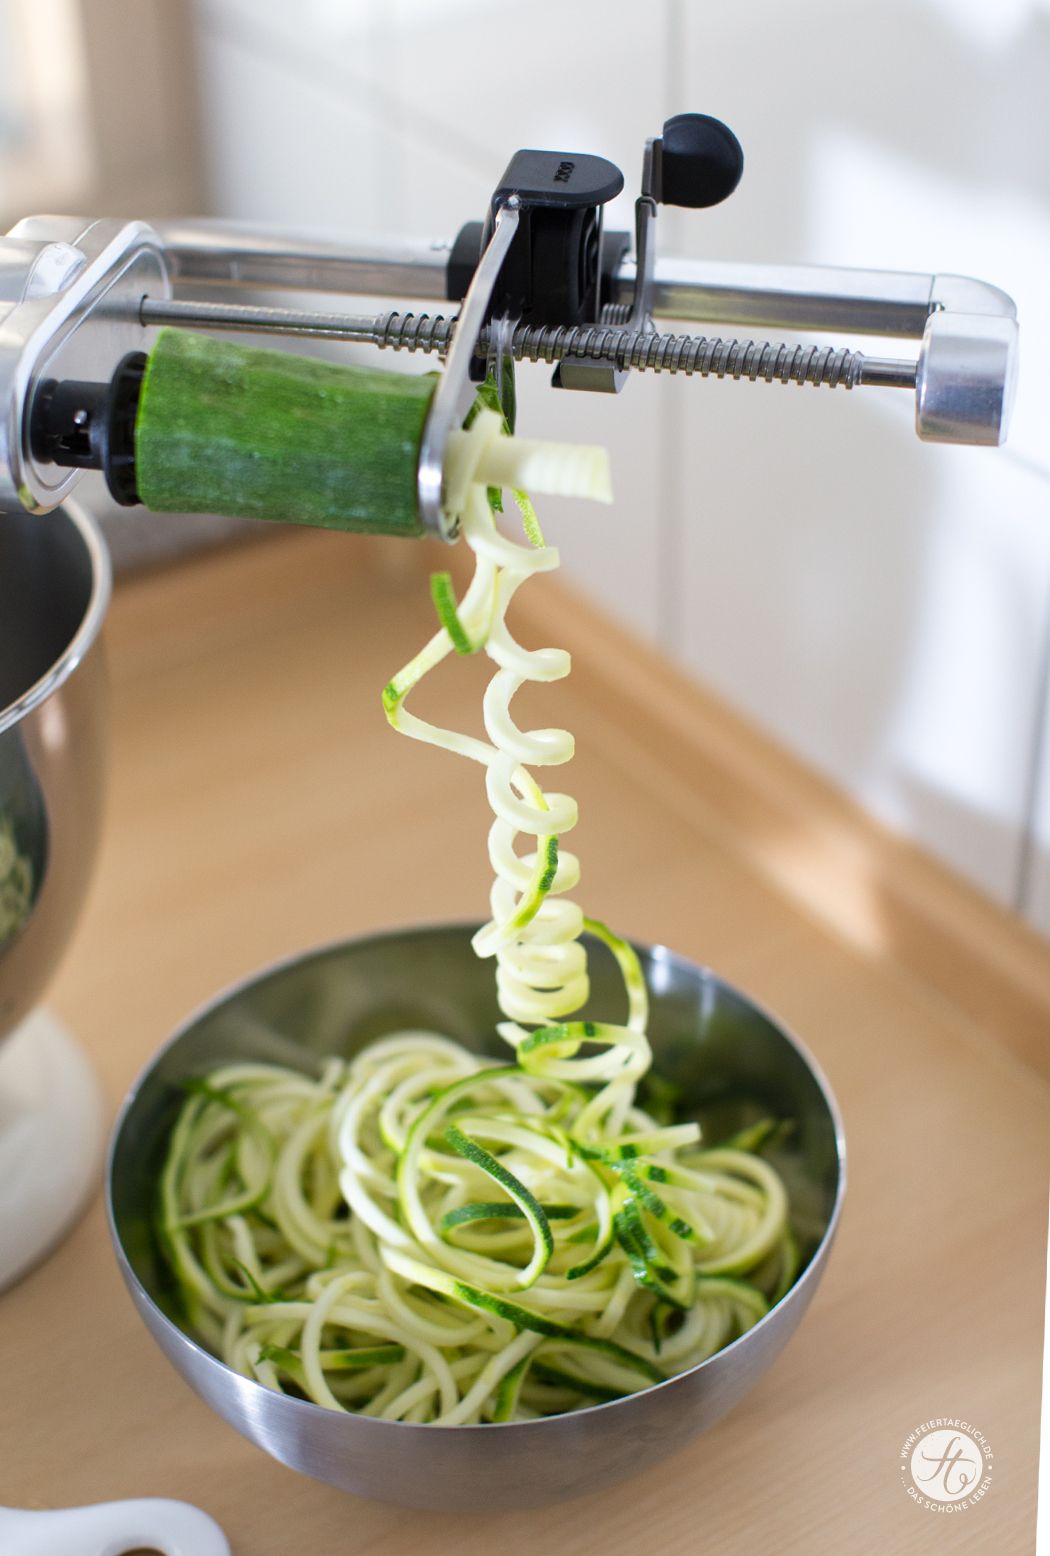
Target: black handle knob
<point>701,161</point>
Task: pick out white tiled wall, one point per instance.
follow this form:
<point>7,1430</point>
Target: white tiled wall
<point>46,141</point>
<point>880,604</point>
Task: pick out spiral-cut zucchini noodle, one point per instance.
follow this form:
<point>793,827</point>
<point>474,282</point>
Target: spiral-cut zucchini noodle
<point>424,1236</point>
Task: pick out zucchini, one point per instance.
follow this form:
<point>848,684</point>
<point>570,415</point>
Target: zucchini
<point>262,434</point>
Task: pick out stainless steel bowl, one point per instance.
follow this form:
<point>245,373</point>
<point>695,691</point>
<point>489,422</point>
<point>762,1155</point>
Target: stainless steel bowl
<point>734,1064</point>
<point>54,589</point>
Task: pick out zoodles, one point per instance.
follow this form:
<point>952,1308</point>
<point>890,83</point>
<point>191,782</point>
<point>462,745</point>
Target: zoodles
<point>424,1236</point>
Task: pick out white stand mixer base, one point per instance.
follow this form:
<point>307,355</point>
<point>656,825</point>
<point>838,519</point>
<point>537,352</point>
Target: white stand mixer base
<point>52,1126</point>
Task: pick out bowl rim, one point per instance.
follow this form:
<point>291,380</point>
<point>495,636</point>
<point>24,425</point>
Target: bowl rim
<point>811,1273</point>
<point>91,622</point>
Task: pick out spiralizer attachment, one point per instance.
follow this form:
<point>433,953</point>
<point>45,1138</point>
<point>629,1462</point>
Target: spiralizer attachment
<point>84,384</point>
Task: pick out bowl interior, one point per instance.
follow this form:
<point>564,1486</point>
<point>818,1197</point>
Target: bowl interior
<point>46,586</point>
<point>729,1062</point>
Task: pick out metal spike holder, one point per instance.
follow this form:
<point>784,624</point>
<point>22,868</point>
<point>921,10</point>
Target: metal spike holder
<point>538,280</point>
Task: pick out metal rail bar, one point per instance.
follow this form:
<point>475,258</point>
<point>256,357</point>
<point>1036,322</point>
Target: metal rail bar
<point>798,297</point>
<point>236,254</point>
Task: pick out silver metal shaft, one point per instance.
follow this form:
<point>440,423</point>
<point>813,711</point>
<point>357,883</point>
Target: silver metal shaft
<point>622,348</point>
<point>754,297</point>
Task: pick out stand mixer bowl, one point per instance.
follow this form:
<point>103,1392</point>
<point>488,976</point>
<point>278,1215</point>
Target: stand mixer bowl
<point>54,588</point>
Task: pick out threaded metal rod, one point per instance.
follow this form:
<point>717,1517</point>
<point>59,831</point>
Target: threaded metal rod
<point>602,344</point>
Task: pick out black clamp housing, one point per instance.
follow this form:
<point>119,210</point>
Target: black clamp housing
<point>551,274</point>
<point>557,263</point>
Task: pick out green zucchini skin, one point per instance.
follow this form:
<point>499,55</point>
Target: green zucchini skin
<point>261,434</point>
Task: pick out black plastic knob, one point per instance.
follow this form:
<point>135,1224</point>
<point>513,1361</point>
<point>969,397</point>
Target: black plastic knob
<point>701,161</point>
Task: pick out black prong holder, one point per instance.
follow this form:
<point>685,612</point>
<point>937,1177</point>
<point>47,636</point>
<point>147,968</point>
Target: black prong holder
<point>88,426</point>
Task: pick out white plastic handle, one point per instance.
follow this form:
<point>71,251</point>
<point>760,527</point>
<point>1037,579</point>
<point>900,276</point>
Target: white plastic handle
<point>111,1528</point>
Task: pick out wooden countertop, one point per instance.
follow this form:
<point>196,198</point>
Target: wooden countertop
<point>260,804</point>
